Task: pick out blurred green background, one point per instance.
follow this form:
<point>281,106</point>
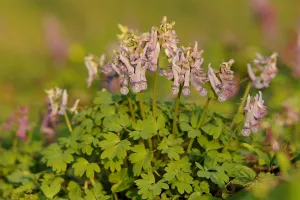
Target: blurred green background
<point>42,43</point>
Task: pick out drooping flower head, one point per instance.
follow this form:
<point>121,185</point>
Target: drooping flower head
<point>138,53</point>
<point>185,68</point>
<point>254,112</point>
<point>223,82</point>
<point>265,70</point>
<point>58,100</point>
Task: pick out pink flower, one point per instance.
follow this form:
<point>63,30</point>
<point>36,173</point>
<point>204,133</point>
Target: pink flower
<point>264,72</point>
<point>255,111</point>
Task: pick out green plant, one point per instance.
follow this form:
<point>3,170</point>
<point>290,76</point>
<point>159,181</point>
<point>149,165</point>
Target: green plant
<point>131,147</point>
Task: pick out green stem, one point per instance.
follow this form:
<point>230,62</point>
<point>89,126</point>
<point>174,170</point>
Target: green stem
<point>203,114</point>
<point>176,111</point>
<point>154,94</point>
<point>141,102</point>
<point>131,108</point>
<point>68,122</point>
<point>115,196</point>
<point>242,105</point>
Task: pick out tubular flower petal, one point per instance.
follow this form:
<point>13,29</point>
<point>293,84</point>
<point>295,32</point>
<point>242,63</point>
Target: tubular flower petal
<point>265,70</point>
<point>223,84</point>
<point>58,98</point>
<point>64,102</point>
<point>92,67</point>
<point>255,111</point>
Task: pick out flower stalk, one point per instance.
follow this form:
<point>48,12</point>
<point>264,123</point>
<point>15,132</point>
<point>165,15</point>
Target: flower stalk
<point>203,114</point>
<point>68,122</point>
<point>242,105</point>
<point>154,107</point>
<point>176,111</point>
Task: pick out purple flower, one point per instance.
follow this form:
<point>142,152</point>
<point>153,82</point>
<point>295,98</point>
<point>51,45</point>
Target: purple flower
<point>19,117</point>
<point>265,70</point>
<point>23,127</point>
<point>92,67</point>
<point>255,111</point>
<point>224,85</point>
<point>58,98</point>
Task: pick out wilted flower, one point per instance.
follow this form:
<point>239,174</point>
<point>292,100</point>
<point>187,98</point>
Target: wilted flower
<point>265,69</point>
<point>224,86</point>
<point>58,99</point>
<point>255,111</point>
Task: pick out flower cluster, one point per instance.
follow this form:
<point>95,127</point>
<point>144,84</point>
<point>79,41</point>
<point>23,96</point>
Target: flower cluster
<point>19,117</point>
<point>140,52</point>
<point>223,86</point>
<point>255,111</point>
<point>185,69</point>
<point>265,68</point>
<point>137,54</point>
<point>58,100</point>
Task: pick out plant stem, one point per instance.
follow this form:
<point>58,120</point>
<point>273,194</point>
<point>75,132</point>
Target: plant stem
<point>131,108</point>
<point>141,102</point>
<point>203,114</point>
<point>115,196</point>
<point>68,122</point>
<point>176,110</point>
<point>241,107</point>
<point>154,94</point>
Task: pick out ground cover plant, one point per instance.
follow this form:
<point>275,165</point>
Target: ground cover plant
<point>126,146</point>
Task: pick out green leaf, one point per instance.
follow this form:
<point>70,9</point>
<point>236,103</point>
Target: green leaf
<point>261,155</point>
<point>195,196</point>
<point>141,159</point>
<point>242,174</point>
<point>148,188</point>
<point>146,128</point>
<point>91,168</point>
<point>103,98</point>
<point>213,129</point>
<point>96,193</point>
<point>183,118</point>
<point>171,146</point>
<point>208,145</point>
<point>87,124</point>
<point>57,158</point>
<point>75,192</point>
<point>122,180</point>
<point>116,123</point>
<point>238,118</point>
<point>52,188</point>
<point>114,147</point>
<point>184,126</point>
<point>85,145</point>
<point>178,175</point>
<point>113,165</point>
<point>83,166</point>
<point>194,133</point>
<point>194,121</point>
